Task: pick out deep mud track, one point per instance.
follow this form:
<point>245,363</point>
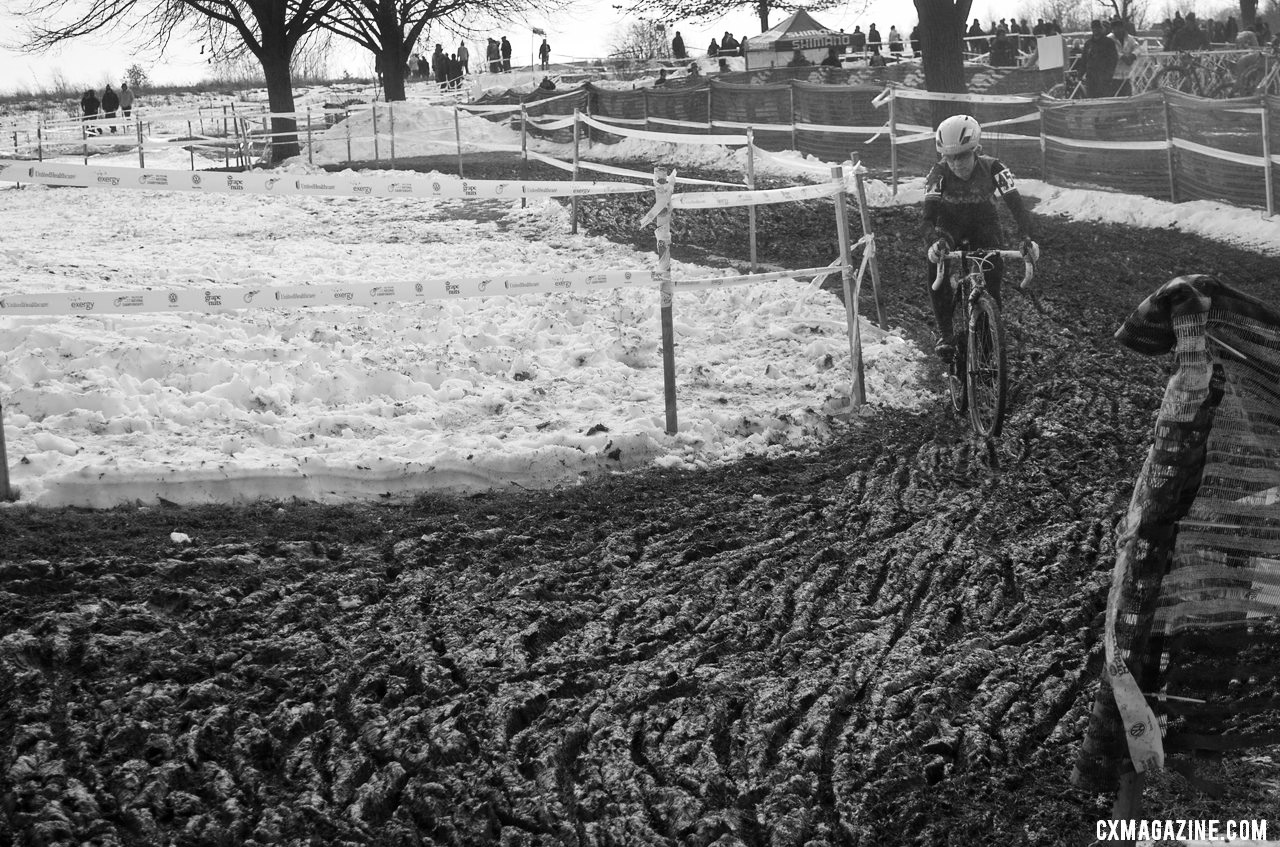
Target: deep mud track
<point>890,640</point>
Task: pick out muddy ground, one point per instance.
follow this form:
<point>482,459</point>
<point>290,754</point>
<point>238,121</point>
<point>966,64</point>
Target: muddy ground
<point>893,639</point>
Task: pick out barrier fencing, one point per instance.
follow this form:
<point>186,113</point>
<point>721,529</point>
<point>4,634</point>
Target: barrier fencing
<point>235,298</point>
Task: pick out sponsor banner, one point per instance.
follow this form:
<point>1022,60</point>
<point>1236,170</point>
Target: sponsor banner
<point>235,298</point>
<point>320,185</point>
<point>715,199</point>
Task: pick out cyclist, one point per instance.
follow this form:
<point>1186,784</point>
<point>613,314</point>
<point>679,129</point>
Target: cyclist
<point>959,206</point>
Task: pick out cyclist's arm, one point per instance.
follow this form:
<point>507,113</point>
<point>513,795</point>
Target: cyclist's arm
<point>930,231</point>
<point>1008,190</point>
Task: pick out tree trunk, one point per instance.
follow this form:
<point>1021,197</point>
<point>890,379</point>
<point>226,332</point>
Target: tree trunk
<point>1248,13</point>
<point>394,57</point>
<point>942,26</point>
<point>275,67</point>
<point>762,10</point>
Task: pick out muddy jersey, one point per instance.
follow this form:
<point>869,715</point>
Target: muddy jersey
<point>965,209</point>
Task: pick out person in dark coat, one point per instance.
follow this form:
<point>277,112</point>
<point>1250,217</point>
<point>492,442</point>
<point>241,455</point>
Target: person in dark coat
<point>89,105</point>
<point>506,54</point>
<point>110,103</point>
<point>1100,59</point>
<point>440,65</point>
<point>713,49</point>
<point>677,47</point>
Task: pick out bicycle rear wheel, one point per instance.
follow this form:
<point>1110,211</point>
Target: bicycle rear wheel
<point>988,373</point>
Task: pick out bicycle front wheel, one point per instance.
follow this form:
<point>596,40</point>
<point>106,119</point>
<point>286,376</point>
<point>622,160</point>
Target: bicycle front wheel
<point>988,373</point>
<point>956,381</point>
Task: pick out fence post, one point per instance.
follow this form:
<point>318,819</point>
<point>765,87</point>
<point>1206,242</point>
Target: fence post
<point>791,98</point>
<point>310,158</point>
<point>457,134</point>
<point>84,140</point>
<point>524,148</point>
<point>663,187</point>
<point>142,159</point>
<point>751,186</point>
<point>1168,149</point>
<point>391,118</point>
<point>346,121</point>
<point>1269,178</point>
<point>376,157</point>
<point>858,391</point>
<point>40,140</point>
<point>191,146</point>
<point>893,142</point>
<point>573,217</point>
<point>1044,146</point>
<point>226,140</point>
<point>6,493</point>
<point>870,249</point>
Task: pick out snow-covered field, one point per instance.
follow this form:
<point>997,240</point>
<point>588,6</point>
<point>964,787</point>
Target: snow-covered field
<point>338,402</point>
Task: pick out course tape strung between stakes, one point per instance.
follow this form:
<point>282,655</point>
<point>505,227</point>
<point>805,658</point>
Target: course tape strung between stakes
<point>229,298</point>
<point>315,185</point>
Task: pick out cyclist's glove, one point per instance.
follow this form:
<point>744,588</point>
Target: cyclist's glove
<point>939,249</point>
<point>1030,250</point>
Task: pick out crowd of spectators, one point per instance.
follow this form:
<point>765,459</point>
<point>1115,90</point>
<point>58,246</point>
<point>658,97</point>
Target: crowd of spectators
<point>103,109</point>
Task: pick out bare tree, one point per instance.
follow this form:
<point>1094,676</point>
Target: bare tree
<point>390,29</point>
<point>701,10</point>
<point>271,30</point>
<point>942,26</point>
<point>640,40</point>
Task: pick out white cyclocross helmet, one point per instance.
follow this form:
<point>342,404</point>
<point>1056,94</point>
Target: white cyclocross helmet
<point>958,134</point>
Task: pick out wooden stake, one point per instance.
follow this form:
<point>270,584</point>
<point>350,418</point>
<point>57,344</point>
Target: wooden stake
<point>6,493</point>
<point>858,172</point>
<point>663,187</point>
<point>457,133</point>
<point>751,186</point>
<point>573,217</point>
<point>858,391</point>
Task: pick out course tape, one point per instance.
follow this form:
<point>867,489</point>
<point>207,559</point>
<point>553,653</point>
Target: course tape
<point>315,185</point>
<point>717,199</point>
<point>668,137</point>
<point>240,297</point>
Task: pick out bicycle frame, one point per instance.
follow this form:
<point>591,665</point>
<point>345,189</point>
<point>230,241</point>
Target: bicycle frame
<point>977,379</point>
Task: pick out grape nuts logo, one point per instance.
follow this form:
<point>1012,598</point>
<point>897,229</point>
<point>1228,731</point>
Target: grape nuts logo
<point>211,299</point>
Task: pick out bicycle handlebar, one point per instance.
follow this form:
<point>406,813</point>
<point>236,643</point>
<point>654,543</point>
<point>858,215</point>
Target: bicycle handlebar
<point>1008,254</point>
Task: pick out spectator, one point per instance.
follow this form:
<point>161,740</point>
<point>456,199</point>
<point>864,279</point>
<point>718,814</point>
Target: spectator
<point>977,44</point>
<point>453,71</point>
<point>694,72</point>
<point>729,45</point>
<point>873,38</point>
<point>1100,59</point>
<point>126,99</point>
<point>424,67</point>
<point>1190,36</point>
<point>876,60</point>
<point>110,103</point>
<point>439,65</point>
<point>858,40</point>
<point>798,60</point>
<point>1004,51</point>
<point>89,105</point>
<point>544,54</point>
<point>547,84</point>
<point>914,38</point>
<point>895,42</point>
<point>713,49</point>
<point>464,57</point>
<point>1230,29</point>
<point>677,47</point>
<point>494,58</point>
<point>505,49</point>
<point>662,78</point>
<point>1128,50</point>
<point>832,59</point>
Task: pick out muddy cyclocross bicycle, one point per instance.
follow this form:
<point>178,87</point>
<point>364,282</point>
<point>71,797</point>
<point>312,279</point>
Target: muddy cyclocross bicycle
<point>978,377</point>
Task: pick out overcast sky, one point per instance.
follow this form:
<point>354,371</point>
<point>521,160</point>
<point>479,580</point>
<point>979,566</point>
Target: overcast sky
<point>584,33</point>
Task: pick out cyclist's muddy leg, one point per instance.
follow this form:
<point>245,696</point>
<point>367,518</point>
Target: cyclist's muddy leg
<point>994,275</point>
<point>941,302</point>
